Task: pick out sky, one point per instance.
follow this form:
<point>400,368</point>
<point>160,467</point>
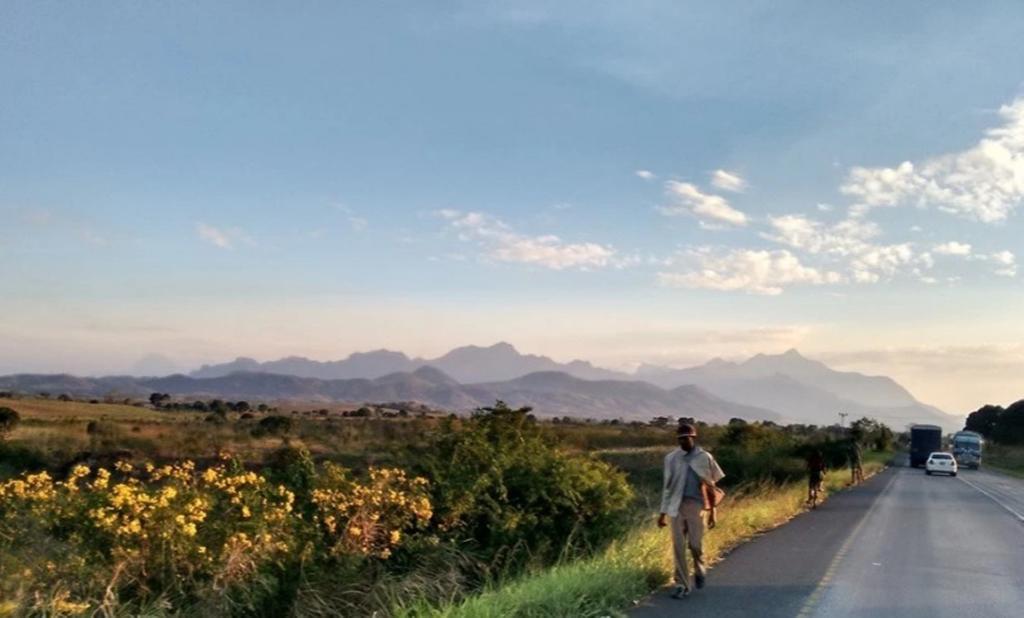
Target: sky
<point>642,182</point>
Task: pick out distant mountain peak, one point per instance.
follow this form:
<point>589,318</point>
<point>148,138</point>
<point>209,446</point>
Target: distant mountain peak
<point>433,374</point>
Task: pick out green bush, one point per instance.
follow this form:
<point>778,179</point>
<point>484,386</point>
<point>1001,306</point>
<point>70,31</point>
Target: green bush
<point>500,484</point>
<point>273,426</point>
<point>9,419</point>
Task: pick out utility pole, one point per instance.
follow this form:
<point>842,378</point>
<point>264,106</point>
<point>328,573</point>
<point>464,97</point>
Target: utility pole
<point>842,418</point>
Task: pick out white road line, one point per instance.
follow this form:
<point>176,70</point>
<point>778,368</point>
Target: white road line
<point>995,499</point>
<point>814,600</point>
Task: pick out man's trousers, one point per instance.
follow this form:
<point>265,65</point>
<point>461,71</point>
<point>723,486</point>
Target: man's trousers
<point>688,531</point>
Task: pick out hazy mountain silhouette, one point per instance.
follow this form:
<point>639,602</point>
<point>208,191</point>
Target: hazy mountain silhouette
<point>549,393</point>
<point>793,387</point>
<point>804,390</point>
<point>467,364</point>
<point>561,394</point>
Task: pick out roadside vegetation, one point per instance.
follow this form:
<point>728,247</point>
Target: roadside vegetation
<point>1003,430</point>
<point>163,508</point>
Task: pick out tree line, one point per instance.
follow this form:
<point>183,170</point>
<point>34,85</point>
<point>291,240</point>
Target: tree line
<point>999,424</point>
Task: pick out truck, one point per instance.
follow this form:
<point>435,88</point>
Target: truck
<point>967,448</point>
<point>924,440</point>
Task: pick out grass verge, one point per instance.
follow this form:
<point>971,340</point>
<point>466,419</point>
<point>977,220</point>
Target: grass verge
<point>1007,459</point>
<point>637,564</point>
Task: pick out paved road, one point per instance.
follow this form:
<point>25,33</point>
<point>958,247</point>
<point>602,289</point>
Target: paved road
<point>903,544</point>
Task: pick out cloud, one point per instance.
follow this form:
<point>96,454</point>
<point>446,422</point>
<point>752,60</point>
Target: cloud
<point>983,183</point>
<point>710,209</point>
<point>357,223</point>
<point>502,243</point>
<point>645,174</point>
<point>752,271</point>
<point>223,238</point>
<point>850,245</point>
<point>978,359</point>
<point>728,181</point>
<point>214,236</point>
<point>1006,263</point>
<point>952,248</point>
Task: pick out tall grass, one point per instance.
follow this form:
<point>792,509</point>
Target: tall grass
<point>632,567</point>
<point>1008,459</point>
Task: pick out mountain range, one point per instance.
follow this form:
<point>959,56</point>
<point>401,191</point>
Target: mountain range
<point>787,387</point>
<point>467,364</point>
<point>549,393</point>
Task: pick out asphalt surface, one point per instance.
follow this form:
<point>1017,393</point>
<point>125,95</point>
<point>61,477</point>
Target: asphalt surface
<point>902,544</point>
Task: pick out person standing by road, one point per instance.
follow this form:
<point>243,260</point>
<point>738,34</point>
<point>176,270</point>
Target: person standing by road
<point>689,488</point>
<point>815,477</point>
<point>856,466</point>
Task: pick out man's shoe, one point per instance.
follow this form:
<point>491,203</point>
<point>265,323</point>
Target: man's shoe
<point>681,592</point>
<point>700,581</point>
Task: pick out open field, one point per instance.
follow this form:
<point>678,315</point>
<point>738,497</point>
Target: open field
<point>63,431</point>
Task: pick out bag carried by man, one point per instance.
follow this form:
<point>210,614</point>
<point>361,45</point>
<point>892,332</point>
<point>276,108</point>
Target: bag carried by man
<point>713,496</point>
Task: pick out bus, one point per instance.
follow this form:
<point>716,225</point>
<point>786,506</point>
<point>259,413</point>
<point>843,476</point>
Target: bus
<point>967,448</point>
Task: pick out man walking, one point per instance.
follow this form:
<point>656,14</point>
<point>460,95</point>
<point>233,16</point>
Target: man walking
<point>856,467</point>
<point>690,477</point>
<point>815,476</point>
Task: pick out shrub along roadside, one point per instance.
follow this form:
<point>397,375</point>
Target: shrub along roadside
<point>298,538</point>
<point>635,565</point>
<point>1008,459</point>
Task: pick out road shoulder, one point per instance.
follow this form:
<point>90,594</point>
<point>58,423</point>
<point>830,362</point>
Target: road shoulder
<point>776,573</point>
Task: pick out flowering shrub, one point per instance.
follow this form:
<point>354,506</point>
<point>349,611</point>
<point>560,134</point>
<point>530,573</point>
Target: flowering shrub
<point>369,519</point>
<point>73,545</point>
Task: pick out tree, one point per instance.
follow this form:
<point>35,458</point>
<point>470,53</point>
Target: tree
<point>499,480</point>
<point>218,417</point>
<point>242,406</point>
<point>9,419</point>
<point>158,399</point>
<point>275,425</point>
<point>63,397</point>
<point>984,420</point>
<point>1010,428</point>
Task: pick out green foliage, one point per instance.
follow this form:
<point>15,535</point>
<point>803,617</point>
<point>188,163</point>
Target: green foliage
<point>9,419</point>
<point>17,458</point>
<point>1005,426</point>
<point>498,482</point>
<point>274,426</point>
<point>869,432</point>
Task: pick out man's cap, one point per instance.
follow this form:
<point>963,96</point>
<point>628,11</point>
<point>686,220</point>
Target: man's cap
<point>686,429</point>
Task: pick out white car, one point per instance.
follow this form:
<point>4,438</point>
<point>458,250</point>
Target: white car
<point>940,462</point>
